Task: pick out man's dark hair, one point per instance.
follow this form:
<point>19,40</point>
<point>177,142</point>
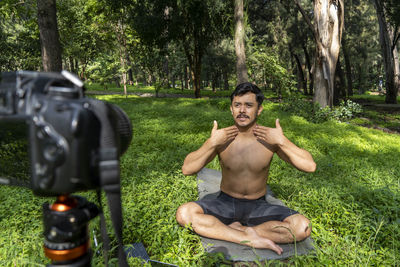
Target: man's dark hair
<point>246,87</point>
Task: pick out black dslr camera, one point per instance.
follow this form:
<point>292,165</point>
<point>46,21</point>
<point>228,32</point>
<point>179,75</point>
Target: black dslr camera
<point>69,134</point>
<point>74,145</point>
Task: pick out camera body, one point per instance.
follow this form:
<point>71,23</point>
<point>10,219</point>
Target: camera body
<point>69,134</point>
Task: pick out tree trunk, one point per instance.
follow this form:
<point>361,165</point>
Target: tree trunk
<point>226,80</point>
<point>300,75</point>
<point>195,66</point>
<point>349,75</point>
<point>49,37</point>
<point>214,83</point>
<point>71,64</point>
<point>76,66</point>
<point>196,76</point>
<point>186,77</point>
<point>166,72</point>
<point>309,68</point>
<point>83,71</point>
<point>389,54</point>
<point>342,80</point>
<point>327,31</point>
<point>339,91</point>
<point>189,76</point>
<point>173,81</point>
<point>123,53</point>
<point>130,72</point>
<point>182,81</point>
<point>241,69</point>
<point>329,25</point>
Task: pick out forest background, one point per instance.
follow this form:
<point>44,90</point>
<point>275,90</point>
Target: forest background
<point>315,60</point>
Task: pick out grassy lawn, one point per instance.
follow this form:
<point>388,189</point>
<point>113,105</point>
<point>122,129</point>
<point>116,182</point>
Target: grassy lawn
<point>142,89</point>
<point>374,98</point>
<point>376,115</point>
<point>353,199</point>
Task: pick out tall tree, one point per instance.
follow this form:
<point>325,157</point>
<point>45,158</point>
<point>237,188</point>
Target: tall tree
<point>85,33</point>
<point>241,68</point>
<point>360,47</point>
<point>193,24</point>
<point>49,37</point>
<point>349,77</point>
<point>327,31</point>
<point>388,39</point>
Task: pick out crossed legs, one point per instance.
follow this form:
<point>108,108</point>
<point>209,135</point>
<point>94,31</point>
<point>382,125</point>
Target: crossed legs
<point>266,235</point>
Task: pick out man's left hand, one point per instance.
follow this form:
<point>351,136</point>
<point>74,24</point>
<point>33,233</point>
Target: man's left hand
<point>272,136</point>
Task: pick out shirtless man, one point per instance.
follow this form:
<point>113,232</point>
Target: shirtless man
<point>240,214</point>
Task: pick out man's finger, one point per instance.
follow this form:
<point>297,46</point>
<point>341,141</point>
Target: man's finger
<point>277,124</point>
<point>232,134</point>
<point>215,127</point>
<point>231,130</point>
<point>260,130</point>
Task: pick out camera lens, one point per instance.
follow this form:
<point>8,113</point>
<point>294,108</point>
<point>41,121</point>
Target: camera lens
<point>123,128</point>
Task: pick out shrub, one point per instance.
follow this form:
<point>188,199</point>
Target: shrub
<point>346,110</point>
<point>314,113</point>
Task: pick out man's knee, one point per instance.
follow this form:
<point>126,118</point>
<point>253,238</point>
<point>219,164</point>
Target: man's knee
<point>184,214</point>
<point>304,229</point>
<point>300,225</point>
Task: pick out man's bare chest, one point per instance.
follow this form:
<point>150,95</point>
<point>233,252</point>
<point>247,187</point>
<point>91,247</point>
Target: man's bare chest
<point>246,155</point>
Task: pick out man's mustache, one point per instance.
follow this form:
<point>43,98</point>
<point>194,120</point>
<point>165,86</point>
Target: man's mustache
<point>242,116</point>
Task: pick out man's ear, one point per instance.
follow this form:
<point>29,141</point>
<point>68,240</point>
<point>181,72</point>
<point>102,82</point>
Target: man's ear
<point>231,109</point>
<point>260,108</point>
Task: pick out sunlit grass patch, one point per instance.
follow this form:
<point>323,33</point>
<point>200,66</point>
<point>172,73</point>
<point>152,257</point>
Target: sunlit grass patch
<point>352,199</point>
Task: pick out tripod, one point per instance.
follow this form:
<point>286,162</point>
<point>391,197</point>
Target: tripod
<point>66,231</point>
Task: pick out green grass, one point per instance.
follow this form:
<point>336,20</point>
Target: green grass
<point>141,89</point>
<point>379,99</point>
<point>377,116</point>
<point>353,199</point>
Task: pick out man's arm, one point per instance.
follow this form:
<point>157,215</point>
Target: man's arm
<point>196,160</point>
<point>286,150</point>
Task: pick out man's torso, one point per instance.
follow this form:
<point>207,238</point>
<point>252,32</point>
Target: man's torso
<point>245,164</point>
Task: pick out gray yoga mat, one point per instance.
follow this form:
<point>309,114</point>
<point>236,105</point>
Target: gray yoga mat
<point>208,182</point>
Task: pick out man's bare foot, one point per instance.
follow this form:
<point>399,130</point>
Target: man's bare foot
<point>257,241</point>
<point>237,226</point>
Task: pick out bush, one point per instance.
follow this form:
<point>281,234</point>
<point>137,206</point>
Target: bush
<point>314,113</point>
<point>346,110</point>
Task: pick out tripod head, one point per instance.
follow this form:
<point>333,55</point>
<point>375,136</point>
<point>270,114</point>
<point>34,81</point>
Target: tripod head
<point>66,230</point>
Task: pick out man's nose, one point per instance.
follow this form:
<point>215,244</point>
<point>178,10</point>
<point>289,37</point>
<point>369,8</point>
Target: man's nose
<point>242,109</point>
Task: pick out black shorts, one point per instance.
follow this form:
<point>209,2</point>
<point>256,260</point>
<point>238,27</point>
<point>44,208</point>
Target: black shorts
<point>248,212</point>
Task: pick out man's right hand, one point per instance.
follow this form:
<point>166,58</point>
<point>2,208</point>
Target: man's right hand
<point>222,136</point>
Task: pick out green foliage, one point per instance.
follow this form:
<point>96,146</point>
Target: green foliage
<point>104,70</point>
<point>314,113</point>
<point>19,36</point>
<point>346,110</point>
<point>362,27</point>
<point>13,150</point>
<point>352,199</point>
<point>266,70</point>
<point>193,21</point>
<point>392,8</point>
